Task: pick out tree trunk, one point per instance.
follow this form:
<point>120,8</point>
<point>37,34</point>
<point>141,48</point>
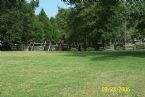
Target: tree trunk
<point>85,46</point>
<point>115,45</point>
<point>79,47</point>
<point>49,48</point>
<point>125,35</point>
<point>69,47</point>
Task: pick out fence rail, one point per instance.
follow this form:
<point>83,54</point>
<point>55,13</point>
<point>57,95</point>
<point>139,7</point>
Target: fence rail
<point>63,47</point>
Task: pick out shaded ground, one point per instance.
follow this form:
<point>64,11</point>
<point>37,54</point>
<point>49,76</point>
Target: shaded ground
<point>71,74</point>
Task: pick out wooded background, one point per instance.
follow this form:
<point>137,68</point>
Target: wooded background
<point>91,23</point>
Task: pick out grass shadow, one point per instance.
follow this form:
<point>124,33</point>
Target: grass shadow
<point>108,55</point>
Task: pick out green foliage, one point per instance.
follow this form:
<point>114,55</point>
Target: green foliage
<point>16,20</point>
<point>62,22</point>
<point>104,20</point>
<point>55,33</point>
<point>44,20</point>
<point>88,22</point>
<point>19,24</point>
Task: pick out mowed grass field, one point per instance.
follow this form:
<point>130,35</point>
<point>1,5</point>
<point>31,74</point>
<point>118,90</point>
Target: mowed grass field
<point>71,74</point>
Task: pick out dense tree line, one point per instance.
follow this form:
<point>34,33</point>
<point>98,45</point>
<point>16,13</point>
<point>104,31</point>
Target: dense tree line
<point>92,23</point>
<point>19,24</point>
<point>104,21</point>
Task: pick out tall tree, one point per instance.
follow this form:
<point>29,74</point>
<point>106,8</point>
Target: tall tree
<point>62,19</point>
<point>14,18</point>
<point>47,34</point>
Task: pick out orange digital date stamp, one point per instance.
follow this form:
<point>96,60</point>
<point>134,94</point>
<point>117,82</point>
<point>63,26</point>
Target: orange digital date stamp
<point>115,89</point>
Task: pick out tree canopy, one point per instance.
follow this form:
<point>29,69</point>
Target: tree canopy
<point>87,21</point>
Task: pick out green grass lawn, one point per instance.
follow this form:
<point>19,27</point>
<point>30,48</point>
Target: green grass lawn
<point>71,74</point>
